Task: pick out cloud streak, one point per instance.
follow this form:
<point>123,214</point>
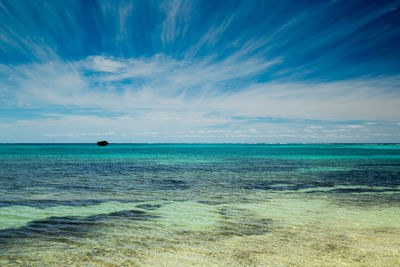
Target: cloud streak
<point>200,71</point>
<point>162,83</point>
<point>160,94</point>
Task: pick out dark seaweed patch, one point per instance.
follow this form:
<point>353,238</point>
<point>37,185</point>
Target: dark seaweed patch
<point>356,190</point>
<point>239,222</point>
<point>46,203</point>
<point>265,185</point>
<point>368,177</point>
<point>149,206</point>
<point>170,184</point>
<point>66,226</point>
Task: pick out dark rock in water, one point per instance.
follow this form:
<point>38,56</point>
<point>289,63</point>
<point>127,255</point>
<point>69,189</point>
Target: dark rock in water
<point>102,143</point>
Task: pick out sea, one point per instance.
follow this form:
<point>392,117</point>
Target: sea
<point>200,205</point>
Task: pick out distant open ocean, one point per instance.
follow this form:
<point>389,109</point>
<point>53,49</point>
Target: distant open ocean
<point>199,204</point>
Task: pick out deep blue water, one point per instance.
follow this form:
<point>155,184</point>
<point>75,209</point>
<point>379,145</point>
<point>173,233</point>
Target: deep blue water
<point>63,172</point>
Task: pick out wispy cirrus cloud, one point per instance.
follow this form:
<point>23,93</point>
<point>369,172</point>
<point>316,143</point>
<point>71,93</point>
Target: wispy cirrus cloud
<point>160,94</point>
<point>99,80</point>
<point>177,18</point>
<point>199,70</point>
<point>112,84</point>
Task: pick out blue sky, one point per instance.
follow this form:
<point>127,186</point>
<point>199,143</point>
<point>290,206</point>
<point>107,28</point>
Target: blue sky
<point>200,71</point>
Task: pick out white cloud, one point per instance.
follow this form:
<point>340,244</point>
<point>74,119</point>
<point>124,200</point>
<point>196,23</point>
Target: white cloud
<point>68,128</point>
<point>354,126</point>
<point>176,21</point>
<point>150,133</point>
<point>160,93</point>
<point>105,64</point>
<point>165,86</point>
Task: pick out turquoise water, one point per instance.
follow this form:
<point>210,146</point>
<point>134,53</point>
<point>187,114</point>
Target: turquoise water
<point>199,204</point>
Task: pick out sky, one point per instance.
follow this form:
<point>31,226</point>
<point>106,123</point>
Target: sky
<point>199,71</point>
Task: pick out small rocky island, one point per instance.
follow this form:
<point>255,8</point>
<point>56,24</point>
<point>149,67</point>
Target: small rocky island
<point>102,143</point>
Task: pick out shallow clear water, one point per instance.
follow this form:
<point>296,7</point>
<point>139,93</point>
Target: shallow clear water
<point>181,204</point>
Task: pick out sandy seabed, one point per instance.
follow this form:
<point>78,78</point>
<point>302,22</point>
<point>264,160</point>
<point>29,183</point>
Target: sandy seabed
<point>281,230</point>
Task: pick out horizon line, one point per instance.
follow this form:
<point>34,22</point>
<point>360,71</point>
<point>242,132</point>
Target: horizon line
<point>205,143</point>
